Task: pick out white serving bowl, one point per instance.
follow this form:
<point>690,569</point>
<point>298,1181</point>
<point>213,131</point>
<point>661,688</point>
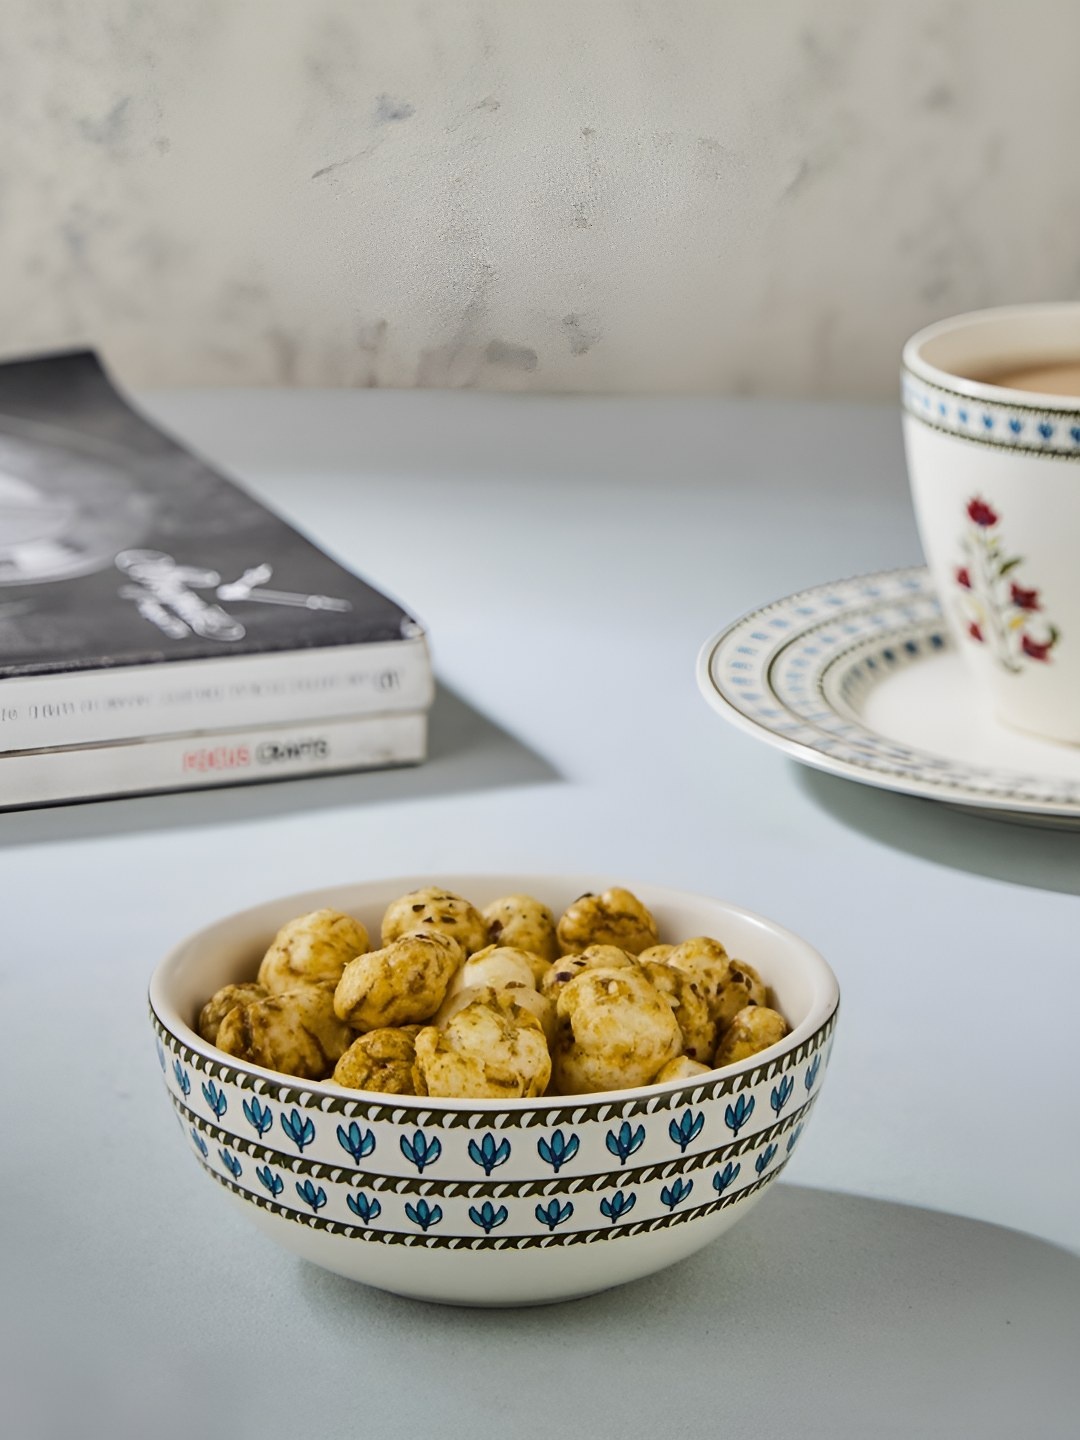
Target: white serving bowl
<point>494,1202</point>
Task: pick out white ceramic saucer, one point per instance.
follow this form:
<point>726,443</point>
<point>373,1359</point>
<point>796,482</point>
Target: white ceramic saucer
<point>860,678</point>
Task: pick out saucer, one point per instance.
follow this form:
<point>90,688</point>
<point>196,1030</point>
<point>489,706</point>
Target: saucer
<point>861,678</point>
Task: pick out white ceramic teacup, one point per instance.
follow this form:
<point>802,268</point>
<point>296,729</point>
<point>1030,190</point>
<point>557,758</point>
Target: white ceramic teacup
<point>995,477</point>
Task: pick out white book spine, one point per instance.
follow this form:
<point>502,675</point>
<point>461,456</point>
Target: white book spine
<point>175,696</point>
<point>229,757</point>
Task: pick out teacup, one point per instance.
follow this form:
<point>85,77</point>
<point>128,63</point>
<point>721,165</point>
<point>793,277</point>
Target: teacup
<point>995,478</point>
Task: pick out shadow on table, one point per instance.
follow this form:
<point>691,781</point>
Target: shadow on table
<point>1043,857</point>
<point>821,1315</point>
<point>467,752</point>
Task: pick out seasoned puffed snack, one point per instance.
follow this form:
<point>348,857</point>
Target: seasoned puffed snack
<point>596,957</point>
<point>658,953</point>
<point>614,1031</point>
<point>490,1049</point>
<point>526,924</point>
<point>539,1006</point>
<point>438,911</point>
<point>523,995</point>
<point>681,1068</point>
<point>295,1032</point>
<point>381,1060</point>
<point>221,1002</point>
<point>500,1004</point>
<point>707,963</point>
<point>499,966</point>
<point>684,997</point>
<point>614,918</point>
<point>753,1029</point>
<point>743,987</point>
<point>402,984</point>
<point>311,948</point>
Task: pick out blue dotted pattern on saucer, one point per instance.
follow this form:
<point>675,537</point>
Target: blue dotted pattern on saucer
<point>799,668</point>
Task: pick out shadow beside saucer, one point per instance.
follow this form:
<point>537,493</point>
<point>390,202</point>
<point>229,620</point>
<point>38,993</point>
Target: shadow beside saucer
<point>466,751</point>
<point>1048,857</point>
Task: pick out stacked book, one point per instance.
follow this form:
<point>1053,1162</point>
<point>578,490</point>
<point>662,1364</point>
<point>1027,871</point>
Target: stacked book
<point>160,629</point>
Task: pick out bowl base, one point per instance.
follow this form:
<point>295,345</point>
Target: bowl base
<point>503,1278</point>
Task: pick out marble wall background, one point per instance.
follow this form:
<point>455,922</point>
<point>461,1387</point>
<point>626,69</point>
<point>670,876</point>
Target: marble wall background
<point>564,195</point>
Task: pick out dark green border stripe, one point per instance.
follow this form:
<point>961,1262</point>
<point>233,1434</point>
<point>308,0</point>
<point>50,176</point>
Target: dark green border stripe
<point>542,1114</point>
<point>492,1242</point>
<point>493,1189</point>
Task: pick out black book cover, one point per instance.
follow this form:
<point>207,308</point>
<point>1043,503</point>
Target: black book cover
<point>118,547</point>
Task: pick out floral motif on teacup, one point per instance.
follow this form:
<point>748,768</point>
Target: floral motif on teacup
<point>997,610</point>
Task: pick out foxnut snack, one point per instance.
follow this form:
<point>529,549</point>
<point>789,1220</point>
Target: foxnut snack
<point>295,1032</point>
<point>727,985</point>
<point>311,948</point>
<point>490,1049</point>
<point>753,1029</point>
<point>402,984</point>
<point>502,1004</point>
<point>500,966</point>
<point>382,1060</point>
<point>681,1068</point>
<point>524,924</point>
<point>616,917</point>
<point>529,999</point>
<point>539,1006</point>
<point>658,953</point>
<point>436,910</point>
<point>614,1030</point>
<point>697,1027</point>
<point>743,987</point>
<point>707,963</point>
<point>606,957</point>
<point>222,1002</point>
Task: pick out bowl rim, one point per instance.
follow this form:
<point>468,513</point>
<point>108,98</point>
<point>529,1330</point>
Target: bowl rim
<point>823,1007</point>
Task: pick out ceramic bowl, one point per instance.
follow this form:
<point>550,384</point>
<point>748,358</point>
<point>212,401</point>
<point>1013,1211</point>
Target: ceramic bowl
<point>493,1202</point>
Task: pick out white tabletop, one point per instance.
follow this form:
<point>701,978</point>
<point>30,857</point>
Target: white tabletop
<point>569,556</point>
